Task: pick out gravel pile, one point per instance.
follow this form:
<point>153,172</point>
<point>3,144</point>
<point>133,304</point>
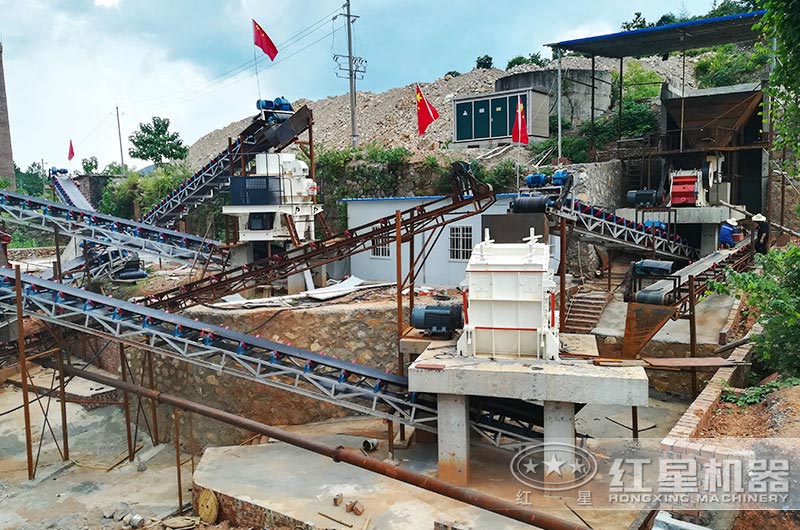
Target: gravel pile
<point>389,118</point>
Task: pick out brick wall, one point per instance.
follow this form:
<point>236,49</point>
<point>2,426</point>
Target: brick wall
<point>683,442</point>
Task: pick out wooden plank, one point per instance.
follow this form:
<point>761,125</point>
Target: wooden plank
<point>689,362</point>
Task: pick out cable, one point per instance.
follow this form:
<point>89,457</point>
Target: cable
<point>234,80</point>
<point>237,69</point>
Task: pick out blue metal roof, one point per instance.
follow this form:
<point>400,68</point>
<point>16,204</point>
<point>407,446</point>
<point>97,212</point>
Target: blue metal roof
<point>418,198</point>
<point>658,40</point>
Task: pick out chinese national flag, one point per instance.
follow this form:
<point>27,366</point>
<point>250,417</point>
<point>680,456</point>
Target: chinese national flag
<point>519,134</point>
<point>71,152</point>
<point>426,113</point>
<point>262,40</point>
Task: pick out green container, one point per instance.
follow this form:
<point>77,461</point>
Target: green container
<point>464,121</point>
<point>481,119</point>
<point>500,120</point>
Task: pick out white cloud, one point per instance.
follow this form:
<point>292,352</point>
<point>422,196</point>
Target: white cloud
<point>106,3</point>
<point>588,30</point>
<point>72,91</point>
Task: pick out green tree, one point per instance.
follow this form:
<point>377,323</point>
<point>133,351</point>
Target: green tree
<point>484,61</point>
<point>516,61</point>
<point>729,65</point>
<point>733,7</point>
<point>31,181</point>
<point>453,73</point>
<point>534,58</point>
<point>775,294</point>
<point>145,191</point>
<point>781,24</point>
<point>89,165</point>
<point>154,142</point>
<point>116,170</point>
<point>639,83</point>
<point>637,22</point>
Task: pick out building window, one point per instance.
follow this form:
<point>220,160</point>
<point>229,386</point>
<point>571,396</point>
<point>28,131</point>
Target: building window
<point>380,247</point>
<point>460,243</point>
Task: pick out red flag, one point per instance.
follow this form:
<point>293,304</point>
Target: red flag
<point>519,134</point>
<point>426,113</point>
<point>71,153</point>
<point>262,40</point>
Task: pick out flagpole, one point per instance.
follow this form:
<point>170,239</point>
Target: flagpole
<point>255,63</point>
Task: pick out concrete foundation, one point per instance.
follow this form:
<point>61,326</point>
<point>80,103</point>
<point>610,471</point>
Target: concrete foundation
<point>559,384</point>
<point>453,438</point>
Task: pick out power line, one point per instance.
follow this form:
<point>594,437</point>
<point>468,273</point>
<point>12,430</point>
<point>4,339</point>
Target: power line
<point>294,39</point>
<point>233,81</point>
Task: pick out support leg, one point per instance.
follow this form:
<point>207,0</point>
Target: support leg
<point>559,431</point>
<point>453,438</point>
<point>125,402</point>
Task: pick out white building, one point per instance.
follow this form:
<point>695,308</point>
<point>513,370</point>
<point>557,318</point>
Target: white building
<point>448,259</point>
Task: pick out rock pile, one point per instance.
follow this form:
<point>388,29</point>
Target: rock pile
<point>389,118</point>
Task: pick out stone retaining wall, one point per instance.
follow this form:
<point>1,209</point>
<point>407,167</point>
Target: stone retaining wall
<point>363,332</point>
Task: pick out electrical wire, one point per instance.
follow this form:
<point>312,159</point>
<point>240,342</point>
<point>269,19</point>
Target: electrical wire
<point>233,72</point>
<point>235,80</point>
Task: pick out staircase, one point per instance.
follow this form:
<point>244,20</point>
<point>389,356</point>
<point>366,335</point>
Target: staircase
<point>584,311</point>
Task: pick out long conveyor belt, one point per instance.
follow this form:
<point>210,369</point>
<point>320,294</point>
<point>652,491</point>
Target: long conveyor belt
<point>69,193</point>
<point>260,135</point>
<point>108,230</point>
<point>470,197</point>
<point>359,388</point>
<point>597,223</point>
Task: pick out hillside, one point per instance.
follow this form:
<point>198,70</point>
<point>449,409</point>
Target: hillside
<point>389,118</point>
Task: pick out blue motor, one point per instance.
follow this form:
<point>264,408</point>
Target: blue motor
<point>560,177</point>
<point>440,320</point>
<point>265,104</point>
<point>56,171</point>
<point>281,103</point>
<point>537,180</point>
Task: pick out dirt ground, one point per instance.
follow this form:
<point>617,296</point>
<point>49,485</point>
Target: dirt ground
<point>767,520</point>
<point>775,417</point>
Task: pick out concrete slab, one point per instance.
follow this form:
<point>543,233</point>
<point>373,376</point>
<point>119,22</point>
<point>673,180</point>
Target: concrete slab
<point>579,344</point>
<point>578,381</point>
<point>294,483</point>
<point>712,314</point>
<point>686,215</point>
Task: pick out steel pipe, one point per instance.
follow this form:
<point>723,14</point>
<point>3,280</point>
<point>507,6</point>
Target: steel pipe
<point>343,454</point>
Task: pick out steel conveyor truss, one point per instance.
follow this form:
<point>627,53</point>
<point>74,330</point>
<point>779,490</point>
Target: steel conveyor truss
<point>607,226</point>
<point>471,198</point>
<point>262,134</point>
<point>108,230</point>
<point>359,388</point>
<point>651,307</point>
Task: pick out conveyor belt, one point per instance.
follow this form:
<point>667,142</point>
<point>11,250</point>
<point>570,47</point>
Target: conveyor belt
<point>667,291</point>
<point>359,388</point>
<point>70,194</point>
<point>108,230</point>
<point>608,227</point>
<point>261,135</point>
<point>470,197</point>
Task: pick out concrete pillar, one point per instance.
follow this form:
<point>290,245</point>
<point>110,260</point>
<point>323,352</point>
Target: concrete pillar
<point>6,156</point>
<point>320,275</point>
<point>296,283</point>
<point>559,429</point>
<point>708,238</point>
<point>453,431</point>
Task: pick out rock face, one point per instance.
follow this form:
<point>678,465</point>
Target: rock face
<point>389,118</point>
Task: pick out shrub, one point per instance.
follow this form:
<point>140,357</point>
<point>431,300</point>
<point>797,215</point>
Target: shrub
<point>729,65</point>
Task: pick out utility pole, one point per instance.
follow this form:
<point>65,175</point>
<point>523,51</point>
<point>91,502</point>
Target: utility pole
<point>352,75</point>
<point>355,68</point>
<point>119,134</point>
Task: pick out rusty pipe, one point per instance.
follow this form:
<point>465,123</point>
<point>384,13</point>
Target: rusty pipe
<point>342,454</point>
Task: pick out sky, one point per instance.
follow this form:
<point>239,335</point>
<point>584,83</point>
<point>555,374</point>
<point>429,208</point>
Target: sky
<point>70,63</point>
